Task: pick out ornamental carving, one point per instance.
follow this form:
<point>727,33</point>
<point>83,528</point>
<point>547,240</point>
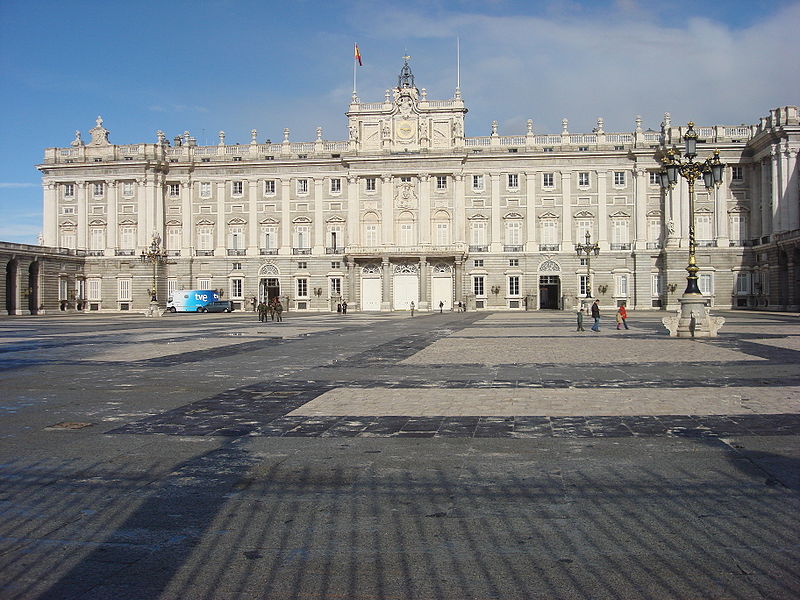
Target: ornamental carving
<point>371,269</point>
<point>268,269</point>
<point>442,268</point>
<point>549,266</point>
<point>405,197</point>
<point>406,269</point>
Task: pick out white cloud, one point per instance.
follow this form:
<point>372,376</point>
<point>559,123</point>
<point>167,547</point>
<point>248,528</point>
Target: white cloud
<point>11,184</point>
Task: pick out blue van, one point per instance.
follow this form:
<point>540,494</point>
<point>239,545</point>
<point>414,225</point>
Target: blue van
<point>191,300</point>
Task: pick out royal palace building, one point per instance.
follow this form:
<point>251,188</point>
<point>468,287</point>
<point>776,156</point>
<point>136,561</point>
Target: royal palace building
<point>408,209</point>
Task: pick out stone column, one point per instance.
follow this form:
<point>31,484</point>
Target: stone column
<point>221,244</point>
<point>142,224</point>
<point>252,216</point>
<point>386,298</point>
<point>530,212</point>
<point>793,190</point>
<point>766,209</point>
<point>458,269</point>
<point>721,212</point>
<point>83,215</point>
<point>387,212</point>
<point>566,212</point>
<point>424,209</point>
<point>351,284</point>
<point>459,210</point>
<point>424,304</point>
<point>112,211</point>
<point>285,248</point>
<point>496,225</point>
<point>318,245</point>
<point>50,214</point>
<point>682,192</point>
<point>159,191</point>
<point>602,210</point>
<point>640,235</point>
<point>777,224</point>
<point>353,237</point>
<point>187,221</point>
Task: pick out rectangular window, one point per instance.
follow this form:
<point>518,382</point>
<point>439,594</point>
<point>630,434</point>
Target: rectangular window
<point>583,179</point>
<point>335,264</point>
<point>622,286</point>
<point>302,186</point>
<point>513,262</point>
<point>172,285</point>
<point>477,285</point>
<point>549,231</point>
<point>619,178</point>
<point>67,210</point>
<point>302,265</point>
<point>371,235</point>
<point>174,190</point>
<point>269,187</point>
<point>442,234</point>
<point>93,289</point>
<point>98,189</point>
<point>547,180</point>
<point>205,189</point>
<point>236,237</point>
<point>301,236</point>
<point>654,230</point>
<point>704,282</point>
<point>335,286</point>
<point>127,237</point>
<point>302,288</point>
<point>63,289</point>
<point>737,173</point>
<point>237,187</point>
<point>655,285</point>
<point>269,237</point>
<point>738,227</point>
<point>236,288</point>
<point>205,238</point>
<point>513,181</point>
<point>742,284</point>
<point>513,285</point>
<point>237,266</point>
<point>370,183</point>
<point>583,286</point>
<point>620,231</point>
<point>478,229</point>
<point>69,190</point>
<point>174,235</point>
<point>703,227</point>
<point>406,234</point>
<point>203,284</point>
<point>477,182</point>
<point>582,226</point>
<point>478,262</point>
<point>336,186</point>
<point>514,233</point>
<point>127,189</point>
<point>97,238</point>
<point>441,182</point>
<point>124,289</point>
<point>654,178</point>
<point>68,239</point>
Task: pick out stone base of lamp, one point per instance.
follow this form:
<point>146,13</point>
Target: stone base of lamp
<point>154,310</point>
<point>692,319</point>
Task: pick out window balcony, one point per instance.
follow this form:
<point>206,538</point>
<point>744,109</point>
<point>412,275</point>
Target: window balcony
<point>124,252</point>
<point>706,243</point>
<point>237,252</point>
<point>653,245</point>
<point>513,248</point>
<point>94,253</point>
<point>204,253</point>
<point>549,247</point>
<point>479,248</point>
<point>268,251</point>
<point>765,239</point>
<point>173,252</point>
<point>301,251</point>
<point>740,243</point>
<point>621,246</point>
<point>334,250</point>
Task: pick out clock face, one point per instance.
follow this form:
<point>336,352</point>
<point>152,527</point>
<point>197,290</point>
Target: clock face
<point>405,129</point>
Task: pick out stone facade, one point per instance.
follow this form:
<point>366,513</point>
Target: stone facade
<point>409,209</point>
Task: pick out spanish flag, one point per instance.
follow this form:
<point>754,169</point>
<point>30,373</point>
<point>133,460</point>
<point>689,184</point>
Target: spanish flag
<point>357,56</point>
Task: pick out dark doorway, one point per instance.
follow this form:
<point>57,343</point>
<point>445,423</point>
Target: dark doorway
<point>33,287</point>
<point>270,288</point>
<point>11,287</point>
<point>549,292</point>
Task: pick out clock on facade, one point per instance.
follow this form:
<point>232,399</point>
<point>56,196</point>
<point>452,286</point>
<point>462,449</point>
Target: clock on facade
<point>405,129</point>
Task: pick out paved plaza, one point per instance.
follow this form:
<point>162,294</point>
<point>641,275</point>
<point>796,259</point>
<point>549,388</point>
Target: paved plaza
<point>383,456</point>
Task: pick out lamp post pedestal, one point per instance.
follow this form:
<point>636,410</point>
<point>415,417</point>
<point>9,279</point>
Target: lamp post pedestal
<point>692,319</point>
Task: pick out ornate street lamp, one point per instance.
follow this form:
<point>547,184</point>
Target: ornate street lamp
<point>693,319</point>
<point>588,249</point>
<point>155,255</point>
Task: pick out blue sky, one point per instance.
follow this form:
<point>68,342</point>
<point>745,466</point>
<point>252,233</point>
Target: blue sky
<point>206,66</point>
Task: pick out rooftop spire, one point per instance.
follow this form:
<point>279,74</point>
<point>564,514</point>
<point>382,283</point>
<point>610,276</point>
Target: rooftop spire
<point>406,78</point>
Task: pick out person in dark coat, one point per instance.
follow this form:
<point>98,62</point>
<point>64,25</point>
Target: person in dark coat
<point>278,311</point>
<point>344,308</point>
<point>596,315</point>
<point>262,312</point>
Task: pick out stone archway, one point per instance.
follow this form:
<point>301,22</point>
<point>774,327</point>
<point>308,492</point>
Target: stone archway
<point>34,272</point>
<point>12,286</point>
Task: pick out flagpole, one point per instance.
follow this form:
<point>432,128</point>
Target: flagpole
<point>355,48</point>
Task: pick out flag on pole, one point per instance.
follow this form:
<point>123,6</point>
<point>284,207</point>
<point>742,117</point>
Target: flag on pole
<point>357,56</point>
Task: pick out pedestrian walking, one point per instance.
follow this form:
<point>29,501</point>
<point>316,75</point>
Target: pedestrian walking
<point>579,314</point>
<point>596,315</point>
<point>441,306</point>
<point>412,308</point>
<point>339,308</point>
<point>262,312</point>
<point>622,317</point>
<point>279,311</point>
<point>459,306</point>
<point>344,308</point>
<point>271,309</point>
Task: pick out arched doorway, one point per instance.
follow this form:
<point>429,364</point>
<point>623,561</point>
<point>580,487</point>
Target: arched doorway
<point>269,284</point>
<point>12,289</point>
<point>406,286</point>
<point>550,285</point>
<point>442,286</point>
<point>371,287</point>
<point>33,287</point>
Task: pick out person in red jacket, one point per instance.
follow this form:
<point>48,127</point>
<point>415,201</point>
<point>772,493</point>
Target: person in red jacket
<point>622,317</point>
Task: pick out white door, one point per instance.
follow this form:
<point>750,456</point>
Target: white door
<point>406,291</point>
<point>442,291</point>
<point>371,294</point>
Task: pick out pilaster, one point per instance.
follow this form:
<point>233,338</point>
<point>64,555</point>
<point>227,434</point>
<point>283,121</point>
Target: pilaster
<point>424,209</point>
<point>530,211</point>
<point>766,208</point>
<point>221,242</point>
<point>496,240</point>
<point>386,298</point>
<point>252,216</point>
<point>602,210</point>
<point>318,245</point>
<point>112,210</point>
<point>387,216</point>
<point>50,214</point>
<point>142,223</point>
<point>187,221</point>
<point>424,276</point>
<point>352,212</point>
<point>721,213</point>
<point>285,248</point>
<point>83,215</point>
<point>777,225</point>
<point>566,211</point>
<point>640,235</point>
<point>459,210</point>
<point>793,191</point>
